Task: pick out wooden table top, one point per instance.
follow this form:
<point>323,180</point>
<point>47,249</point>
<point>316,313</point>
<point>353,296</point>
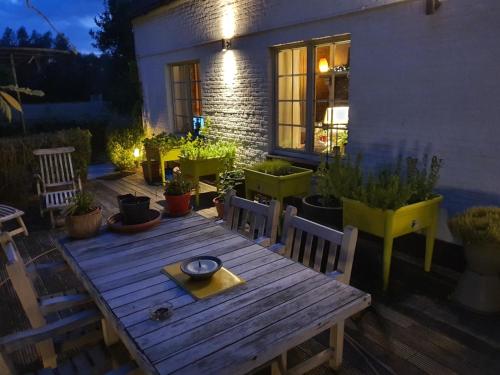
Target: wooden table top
<point>281,305</point>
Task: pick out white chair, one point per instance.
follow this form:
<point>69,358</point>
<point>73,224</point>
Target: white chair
<point>8,213</point>
<point>325,250</point>
<point>256,221</point>
<point>56,181</point>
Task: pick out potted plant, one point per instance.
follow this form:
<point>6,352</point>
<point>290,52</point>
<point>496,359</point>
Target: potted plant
<point>230,180</point>
<point>277,179</point>
<point>178,195</point>
<point>479,286</point>
<point>390,205</point>
<point>83,218</point>
<point>336,179</point>
<point>159,149</point>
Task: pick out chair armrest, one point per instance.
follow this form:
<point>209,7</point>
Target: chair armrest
<point>263,241</point>
<point>278,248</point>
<point>58,303</point>
<point>40,185</point>
<point>18,340</point>
<point>339,276</point>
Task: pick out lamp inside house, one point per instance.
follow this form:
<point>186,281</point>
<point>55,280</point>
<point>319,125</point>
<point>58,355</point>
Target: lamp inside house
<point>323,65</point>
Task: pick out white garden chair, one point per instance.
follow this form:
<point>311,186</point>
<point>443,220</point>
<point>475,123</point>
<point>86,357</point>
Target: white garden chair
<point>56,181</point>
<point>256,221</point>
<point>325,250</point>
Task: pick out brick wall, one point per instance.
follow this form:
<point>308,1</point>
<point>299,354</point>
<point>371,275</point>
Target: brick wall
<point>419,84</point>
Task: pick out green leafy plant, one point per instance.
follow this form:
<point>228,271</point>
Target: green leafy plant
<point>228,181</point>
<point>275,167</point>
<point>163,142</point>
<point>477,225</point>
<point>338,178</point>
<point>82,203</point>
<point>121,145</point>
<point>422,180</point>
<point>178,185</point>
<point>8,102</point>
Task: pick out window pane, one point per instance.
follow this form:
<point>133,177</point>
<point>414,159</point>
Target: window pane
<point>285,112</point>
<point>322,88</point>
<point>342,53</point>
<point>299,113</point>
<point>186,92</point>
<point>323,52</point>
<point>182,108</point>
<point>341,94</point>
<point>285,62</point>
<point>299,88</point>
<point>300,60</point>
<point>285,88</point>
<point>320,111</point>
<point>180,91</point>
<point>285,136</point>
<point>176,73</point>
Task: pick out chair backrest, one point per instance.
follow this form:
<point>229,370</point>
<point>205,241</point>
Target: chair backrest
<point>319,247</point>
<point>252,219</point>
<point>56,166</point>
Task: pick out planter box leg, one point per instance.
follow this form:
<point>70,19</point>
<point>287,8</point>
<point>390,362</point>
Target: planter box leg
<point>388,241</point>
<point>430,236</point>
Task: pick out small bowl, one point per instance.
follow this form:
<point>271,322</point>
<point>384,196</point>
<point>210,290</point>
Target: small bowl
<point>202,267</point>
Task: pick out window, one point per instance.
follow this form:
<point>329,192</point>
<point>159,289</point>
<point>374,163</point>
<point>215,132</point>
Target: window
<point>313,118</point>
<point>186,93</point>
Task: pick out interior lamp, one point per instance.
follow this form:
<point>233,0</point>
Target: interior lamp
<point>336,116</point>
<point>323,66</point>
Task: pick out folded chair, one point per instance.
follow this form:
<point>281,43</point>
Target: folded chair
<point>256,221</point>
<point>44,334</point>
<point>325,250</point>
<point>56,181</point>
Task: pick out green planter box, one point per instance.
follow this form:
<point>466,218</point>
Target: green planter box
<point>194,169</point>
<point>154,154</point>
<point>278,187</point>
<point>390,224</point>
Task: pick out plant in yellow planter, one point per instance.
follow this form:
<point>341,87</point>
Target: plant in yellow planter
<point>159,149</point>
<point>479,229</point>
<point>391,204</point>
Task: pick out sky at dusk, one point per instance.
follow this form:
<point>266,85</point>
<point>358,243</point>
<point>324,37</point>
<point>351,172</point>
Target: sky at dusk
<point>74,18</point>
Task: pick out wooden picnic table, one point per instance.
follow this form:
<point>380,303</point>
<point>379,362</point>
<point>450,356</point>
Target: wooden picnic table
<point>281,305</point>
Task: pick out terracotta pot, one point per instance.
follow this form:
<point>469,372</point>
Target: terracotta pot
<point>178,205</point>
<point>219,206</point>
<point>84,226</point>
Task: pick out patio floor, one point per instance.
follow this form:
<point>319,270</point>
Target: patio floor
<point>413,329</point>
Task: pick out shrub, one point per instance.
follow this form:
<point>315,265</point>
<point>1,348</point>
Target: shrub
<point>19,164</point>
<point>178,185</point>
<point>274,167</point>
<point>477,225</point>
<point>121,145</point>
<point>163,142</point>
<point>228,181</point>
<point>81,204</point>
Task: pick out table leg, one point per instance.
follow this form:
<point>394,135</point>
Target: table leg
<point>337,344</point>
<point>279,365</point>
<point>108,333</point>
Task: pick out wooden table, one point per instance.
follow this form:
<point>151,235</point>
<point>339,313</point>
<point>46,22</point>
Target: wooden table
<point>281,305</point>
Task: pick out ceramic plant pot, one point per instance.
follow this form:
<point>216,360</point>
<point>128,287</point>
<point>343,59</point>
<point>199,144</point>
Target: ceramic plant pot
<point>178,205</point>
<point>219,206</point>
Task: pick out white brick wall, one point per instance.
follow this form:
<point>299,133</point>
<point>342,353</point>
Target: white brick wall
<point>419,84</point>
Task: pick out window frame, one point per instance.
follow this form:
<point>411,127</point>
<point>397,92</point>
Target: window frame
<point>189,99</point>
<point>308,152</point>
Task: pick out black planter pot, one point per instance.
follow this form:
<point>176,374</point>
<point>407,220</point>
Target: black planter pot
<point>314,211</point>
<point>119,198</point>
<point>135,210</point>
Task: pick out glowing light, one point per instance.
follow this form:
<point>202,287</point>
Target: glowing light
<point>137,152</point>
<point>336,116</point>
<point>228,22</point>
<point>323,65</point>
<point>229,67</point>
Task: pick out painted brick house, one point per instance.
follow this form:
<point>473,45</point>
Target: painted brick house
<point>413,83</point>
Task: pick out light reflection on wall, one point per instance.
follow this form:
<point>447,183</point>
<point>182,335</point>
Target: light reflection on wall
<point>228,21</point>
<point>230,68</point>
<point>228,32</point>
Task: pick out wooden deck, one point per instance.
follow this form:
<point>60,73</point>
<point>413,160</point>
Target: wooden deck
<point>415,329</point>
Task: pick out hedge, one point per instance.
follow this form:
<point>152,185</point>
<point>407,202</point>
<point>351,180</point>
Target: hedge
<point>18,164</point>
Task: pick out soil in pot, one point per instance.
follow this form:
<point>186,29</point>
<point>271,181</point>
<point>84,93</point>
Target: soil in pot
<point>84,226</point>
<point>178,205</point>
<point>135,210</point>
<point>219,206</point>
<point>314,210</point>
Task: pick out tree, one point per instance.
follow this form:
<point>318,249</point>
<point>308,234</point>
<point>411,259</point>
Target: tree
<point>46,40</point>
<point>61,42</point>
<point>23,39</point>
<point>8,38</point>
<point>114,38</point>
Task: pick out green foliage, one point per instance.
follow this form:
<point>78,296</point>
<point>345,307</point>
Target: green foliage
<point>338,178</point>
<point>477,225</point>
<point>121,145</point>
<point>163,142</point>
<point>421,180</point>
<point>82,203</point>
<point>275,167</point>
<point>228,181</point>
<point>19,164</point>
<point>8,102</point>
<point>178,185</point>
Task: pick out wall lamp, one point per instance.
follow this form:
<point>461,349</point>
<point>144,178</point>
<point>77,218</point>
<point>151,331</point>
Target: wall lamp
<point>226,44</point>
<point>431,6</point>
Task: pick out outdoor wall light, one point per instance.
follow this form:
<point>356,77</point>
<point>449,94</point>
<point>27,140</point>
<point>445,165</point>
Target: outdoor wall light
<point>226,44</point>
<point>432,6</point>
<point>137,152</point>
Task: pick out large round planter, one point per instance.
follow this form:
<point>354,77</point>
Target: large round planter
<point>84,226</point>
<point>219,206</point>
<point>314,211</point>
<point>178,205</point>
<point>479,286</point>
<point>135,210</point>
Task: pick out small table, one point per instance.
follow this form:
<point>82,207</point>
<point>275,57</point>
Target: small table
<point>281,305</point>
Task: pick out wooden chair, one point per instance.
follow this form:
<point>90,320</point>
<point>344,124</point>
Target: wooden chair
<point>57,182</point>
<point>8,213</point>
<point>255,221</point>
<point>38,308</point>
<point>325,250</point>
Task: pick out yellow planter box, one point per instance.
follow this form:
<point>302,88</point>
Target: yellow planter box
<point>390,224</point>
